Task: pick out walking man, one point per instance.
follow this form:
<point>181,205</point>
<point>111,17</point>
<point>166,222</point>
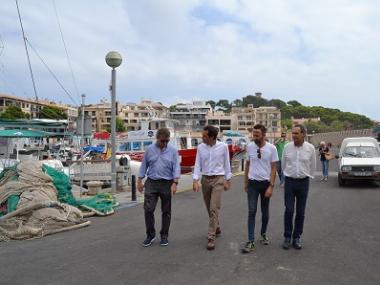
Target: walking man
<point>161,165</point>
<point>213,164</point>
<point>298,162</point>
<point>259,177</point>
<point>280,148</point>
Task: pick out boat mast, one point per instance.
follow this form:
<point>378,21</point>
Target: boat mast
<point>30,66</point>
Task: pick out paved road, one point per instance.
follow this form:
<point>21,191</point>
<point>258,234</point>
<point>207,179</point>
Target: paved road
<point>341,245</point>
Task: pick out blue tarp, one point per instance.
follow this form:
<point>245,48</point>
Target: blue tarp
<point>98,149</point>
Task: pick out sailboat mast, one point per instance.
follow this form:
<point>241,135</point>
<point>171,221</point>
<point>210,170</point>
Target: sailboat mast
<point>30,66</point>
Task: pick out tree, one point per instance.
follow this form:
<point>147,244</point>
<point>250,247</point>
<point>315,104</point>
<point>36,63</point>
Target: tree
<point>257,101</point>
<point>294,103</point>
<point>279,104</point>
<point>212,103</point>
<point>224,104</point>
<point>50,112</point>
<point>120,126</point>
<point>14,112</point>
<point>237,103</point>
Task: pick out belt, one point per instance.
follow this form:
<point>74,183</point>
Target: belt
<point>211,176</point>
<point>298,179</point>
<point>160,180</point>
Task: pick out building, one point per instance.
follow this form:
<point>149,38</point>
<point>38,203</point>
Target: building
<point>191,116</point>
<point>301,121</point>
<point>100,115</point>
<point>249,116</point>
<point>221,120</point>
<point>133,114</point>
<point>33,108</point>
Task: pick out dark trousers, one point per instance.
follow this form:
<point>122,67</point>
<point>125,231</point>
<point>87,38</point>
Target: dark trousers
<point>296,191</point>
<point>155,189</point>
<point>256,189</point>
<point>279,171</point>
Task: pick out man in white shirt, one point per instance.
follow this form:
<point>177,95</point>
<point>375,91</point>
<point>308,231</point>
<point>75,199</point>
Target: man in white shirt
<point>213,164</point>
<point>260,175</point>
<point>298,163</point>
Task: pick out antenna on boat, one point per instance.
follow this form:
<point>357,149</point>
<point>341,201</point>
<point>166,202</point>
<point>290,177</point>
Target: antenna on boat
<point>27,55</point>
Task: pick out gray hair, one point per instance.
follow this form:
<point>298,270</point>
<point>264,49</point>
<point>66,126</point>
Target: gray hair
<point>163,133</point>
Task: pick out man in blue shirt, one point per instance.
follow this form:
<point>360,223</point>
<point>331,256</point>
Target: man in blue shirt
<point>161,165</point>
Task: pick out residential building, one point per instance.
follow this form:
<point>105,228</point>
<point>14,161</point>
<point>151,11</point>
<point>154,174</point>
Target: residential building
<point>191,116</point>
<point>100,115</point>
<point>221,120</point>
<point>300,121</point>
<point>134,113</point>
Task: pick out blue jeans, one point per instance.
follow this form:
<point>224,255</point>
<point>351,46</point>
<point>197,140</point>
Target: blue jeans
<point>296,191</point>
<point>256,188</point>
<point>325,168</point>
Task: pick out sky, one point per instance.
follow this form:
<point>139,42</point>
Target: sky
<point>320,53</point>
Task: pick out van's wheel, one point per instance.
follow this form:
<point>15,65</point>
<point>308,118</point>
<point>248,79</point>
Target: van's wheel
<point>341,181</point>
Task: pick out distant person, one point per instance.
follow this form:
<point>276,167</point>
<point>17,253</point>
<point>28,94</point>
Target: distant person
<point>298,163</point>
<point>323,150</point>
<point>213,164</point>
<point>161,165</point>
<point>378,137</point>
<point>259,177</point>
<point>280,144</point>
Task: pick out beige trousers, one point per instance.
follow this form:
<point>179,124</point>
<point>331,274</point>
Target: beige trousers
<point>212,188</point>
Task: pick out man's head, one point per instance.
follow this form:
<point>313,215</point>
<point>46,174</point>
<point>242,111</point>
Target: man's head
<point>209,135</point>
<point>163,137</point>
<point>283,136</point>
<point>258,133</point>
<point>298,134</point>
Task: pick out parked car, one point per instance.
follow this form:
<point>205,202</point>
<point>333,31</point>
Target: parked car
<point>359,159</point>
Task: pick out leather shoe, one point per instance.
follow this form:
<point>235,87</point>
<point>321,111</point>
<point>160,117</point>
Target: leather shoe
<point>211,244</point>
<point>297,243</point>
<point>286,243</point>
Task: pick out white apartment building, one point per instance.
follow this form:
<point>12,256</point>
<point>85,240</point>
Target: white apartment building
<point>134,113</point>
<point>191,116</point>
<point>221,120</point>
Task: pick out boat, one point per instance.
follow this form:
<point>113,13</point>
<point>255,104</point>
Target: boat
<point>135,143</point>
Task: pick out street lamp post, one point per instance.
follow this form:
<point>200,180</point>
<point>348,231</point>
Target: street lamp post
<point>113,59</point>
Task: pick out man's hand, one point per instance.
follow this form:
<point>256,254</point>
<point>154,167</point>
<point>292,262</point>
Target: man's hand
<point>140,185</point>
<point>195,186</point>
<point>246,185</point>
<point>173,189</point>
<point>268,192</point>
<point>227,185</point>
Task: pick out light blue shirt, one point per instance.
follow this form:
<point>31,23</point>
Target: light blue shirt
<point>160,164</point>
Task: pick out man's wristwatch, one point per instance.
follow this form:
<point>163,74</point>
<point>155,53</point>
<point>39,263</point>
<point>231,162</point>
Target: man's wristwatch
<point>271,184</point>
<point>175,182</point>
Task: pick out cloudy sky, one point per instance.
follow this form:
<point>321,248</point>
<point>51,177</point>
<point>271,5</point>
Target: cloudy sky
<point>323,52</point>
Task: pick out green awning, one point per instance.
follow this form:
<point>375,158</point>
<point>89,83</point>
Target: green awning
<point>24,134</point>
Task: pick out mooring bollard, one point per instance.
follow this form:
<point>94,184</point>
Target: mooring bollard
<point>242,164</point>
<point>133,187</point>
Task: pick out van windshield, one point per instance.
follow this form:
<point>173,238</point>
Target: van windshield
<point>361,151</point>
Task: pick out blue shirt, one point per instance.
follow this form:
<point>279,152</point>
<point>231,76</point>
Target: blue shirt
<point>160,164</point>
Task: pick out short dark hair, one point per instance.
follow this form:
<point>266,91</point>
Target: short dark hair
<point>163,133</point>
<point>302,128</point>
<point>212,131</point>
<point>260,127</point>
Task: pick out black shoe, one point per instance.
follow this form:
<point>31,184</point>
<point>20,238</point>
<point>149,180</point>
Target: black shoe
<point>164,241</point>
<point>286,243</point>
<point>148,241</point>
<point>297,243</point>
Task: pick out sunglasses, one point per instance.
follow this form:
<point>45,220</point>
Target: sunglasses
<point>164,141</point>
<point>258,153</point>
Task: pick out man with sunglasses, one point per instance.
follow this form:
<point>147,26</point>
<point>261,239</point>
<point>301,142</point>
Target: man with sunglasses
<point>161,165</point>
<point>260,175</point>
<point>213,164</point>
<point>298,163</point>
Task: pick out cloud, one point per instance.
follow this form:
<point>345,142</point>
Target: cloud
<point>319,53</point>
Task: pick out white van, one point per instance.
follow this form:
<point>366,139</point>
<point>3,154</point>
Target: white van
<point>359,159</point>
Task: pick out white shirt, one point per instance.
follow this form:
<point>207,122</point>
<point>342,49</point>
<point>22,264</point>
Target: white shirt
<point>260,168</point>
<point>299,162</point>
<point>212,160</point>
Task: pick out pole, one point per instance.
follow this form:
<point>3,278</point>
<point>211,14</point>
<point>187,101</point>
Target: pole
<point>113,131</point>
<point>133,187</point>
<point>82,145</point>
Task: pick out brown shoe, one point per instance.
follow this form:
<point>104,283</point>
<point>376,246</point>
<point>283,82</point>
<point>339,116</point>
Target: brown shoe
<point>218,232</point>
<point>211,244</point>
